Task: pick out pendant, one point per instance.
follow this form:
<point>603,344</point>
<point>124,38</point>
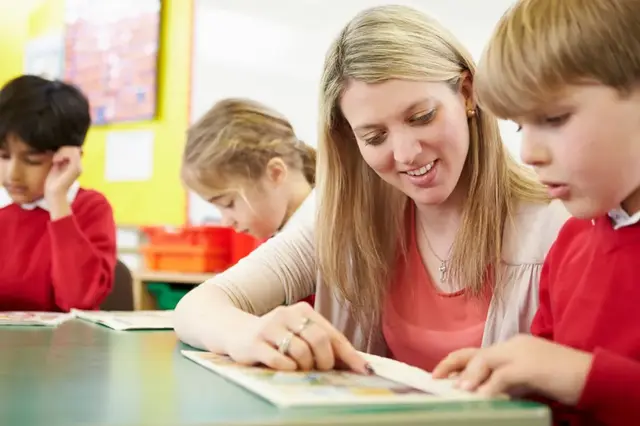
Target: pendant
<point>443,270</point>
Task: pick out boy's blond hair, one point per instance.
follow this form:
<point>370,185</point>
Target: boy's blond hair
<point>235,140</point>
<point>361,227</point>
<point>541,46</point>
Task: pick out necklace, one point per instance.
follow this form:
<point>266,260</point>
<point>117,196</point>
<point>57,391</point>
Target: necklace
<point>443,262</point>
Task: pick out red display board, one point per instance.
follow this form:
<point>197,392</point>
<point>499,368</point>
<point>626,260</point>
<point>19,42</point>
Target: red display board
<point>111,53</point>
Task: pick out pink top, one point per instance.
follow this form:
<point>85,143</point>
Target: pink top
<point>422,325</point>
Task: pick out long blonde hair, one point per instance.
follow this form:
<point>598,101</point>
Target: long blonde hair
<point>541,46</point>
<point>361,220</point>
<point>236,138</point>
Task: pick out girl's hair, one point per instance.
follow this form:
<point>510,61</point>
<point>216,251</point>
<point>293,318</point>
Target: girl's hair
<point>361,219</point>
<point>541,46</point>
<point>236,138</point>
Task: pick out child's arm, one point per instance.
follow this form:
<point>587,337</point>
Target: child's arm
<point>83,251</point>
<point>612,389</point>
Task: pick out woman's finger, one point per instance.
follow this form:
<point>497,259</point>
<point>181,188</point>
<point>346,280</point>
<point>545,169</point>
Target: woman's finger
<point>285,342</point>
<point>264,353</point>
<point>319,341</point>
<point>342,348</point>
<point>301,352</point>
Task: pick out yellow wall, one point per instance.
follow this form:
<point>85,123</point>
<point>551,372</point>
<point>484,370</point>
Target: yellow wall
<point>162,200</point>
<point>13,31</point>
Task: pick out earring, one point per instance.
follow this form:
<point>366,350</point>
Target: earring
<point>471,113</point>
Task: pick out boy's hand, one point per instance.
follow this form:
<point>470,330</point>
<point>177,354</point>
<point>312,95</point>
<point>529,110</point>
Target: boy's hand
<point>528,362</point>
<point>65,170</point>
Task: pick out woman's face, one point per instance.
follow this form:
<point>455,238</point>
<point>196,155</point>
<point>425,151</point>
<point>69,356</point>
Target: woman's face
<point>414,135</point>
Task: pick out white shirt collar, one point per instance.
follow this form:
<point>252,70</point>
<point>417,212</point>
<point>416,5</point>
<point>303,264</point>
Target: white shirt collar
<point>5,198</point>
<point>621,218</point>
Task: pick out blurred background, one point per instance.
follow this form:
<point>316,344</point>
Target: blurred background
<point>152,67</point>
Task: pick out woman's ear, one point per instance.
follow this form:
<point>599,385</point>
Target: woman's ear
<point>465,87</point>
<point>276,171</point>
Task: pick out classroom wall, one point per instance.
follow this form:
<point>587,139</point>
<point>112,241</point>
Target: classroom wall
<point>13,33</point>
<point>162,199</point>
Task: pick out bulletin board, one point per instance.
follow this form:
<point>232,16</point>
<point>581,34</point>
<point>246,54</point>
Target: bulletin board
<point>152,194</point>
<point>111,53</point>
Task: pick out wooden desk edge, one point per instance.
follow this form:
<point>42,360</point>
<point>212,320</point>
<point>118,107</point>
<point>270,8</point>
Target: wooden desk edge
<point>173,277</point>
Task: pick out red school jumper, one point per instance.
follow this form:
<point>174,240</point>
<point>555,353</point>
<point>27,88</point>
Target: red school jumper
<point>59,265</point>
<point>590,300</point>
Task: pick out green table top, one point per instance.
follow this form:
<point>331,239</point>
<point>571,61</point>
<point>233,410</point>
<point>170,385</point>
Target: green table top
<point>81,373</point>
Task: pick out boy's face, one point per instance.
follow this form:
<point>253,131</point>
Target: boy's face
<point>23,170</point>
<point>585,147</point>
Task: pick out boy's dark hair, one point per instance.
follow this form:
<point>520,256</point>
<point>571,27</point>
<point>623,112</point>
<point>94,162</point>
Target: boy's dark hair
<point>44,114</point>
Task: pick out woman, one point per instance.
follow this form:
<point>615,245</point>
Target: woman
<point>429,236</point>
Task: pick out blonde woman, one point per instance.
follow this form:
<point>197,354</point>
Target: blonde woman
<point>429,236</point>
<point>245,158</point>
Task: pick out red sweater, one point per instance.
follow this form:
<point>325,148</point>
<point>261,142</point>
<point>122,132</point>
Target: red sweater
<point>56,266</point>
<point>590,300</point>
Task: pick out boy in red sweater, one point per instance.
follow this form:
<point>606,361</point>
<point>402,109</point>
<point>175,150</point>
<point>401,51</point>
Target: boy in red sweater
<point>568,72</point>
<point>57,250</point>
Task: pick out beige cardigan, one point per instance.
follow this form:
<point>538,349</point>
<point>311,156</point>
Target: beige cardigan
<point>283,270</point>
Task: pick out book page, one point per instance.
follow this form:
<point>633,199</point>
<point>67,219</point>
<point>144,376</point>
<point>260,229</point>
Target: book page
<point>330,388</point>
<point>129,320</point>
<point>34,318</point>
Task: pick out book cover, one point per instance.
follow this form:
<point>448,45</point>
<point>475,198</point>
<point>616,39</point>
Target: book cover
<point>45,319</point>
<point>129,320</point>
<point>391,385</point>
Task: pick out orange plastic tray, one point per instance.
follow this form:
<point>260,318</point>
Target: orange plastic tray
<point>242,245</point>
<point>196,259</point>
<point>210,236</point>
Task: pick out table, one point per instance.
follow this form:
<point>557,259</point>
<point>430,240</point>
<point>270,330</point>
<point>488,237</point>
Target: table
<point>81,373</point>
<point>142,299</point>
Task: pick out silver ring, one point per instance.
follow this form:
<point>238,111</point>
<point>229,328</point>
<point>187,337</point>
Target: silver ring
<point>283,347</point>
<point>305,323</point>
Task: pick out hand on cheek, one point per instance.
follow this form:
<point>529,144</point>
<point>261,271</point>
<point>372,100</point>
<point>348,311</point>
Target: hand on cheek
<point>66,168</point>
<point>522,363</point>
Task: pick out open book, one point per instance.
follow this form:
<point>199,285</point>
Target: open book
<point>49,319</point>
<point>129,320</point>
<point>393,384</point>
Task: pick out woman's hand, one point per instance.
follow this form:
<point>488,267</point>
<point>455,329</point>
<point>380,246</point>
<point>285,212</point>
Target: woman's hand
<point>295,338</point>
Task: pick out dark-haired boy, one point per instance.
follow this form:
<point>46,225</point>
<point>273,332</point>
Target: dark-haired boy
<point>57,244</point>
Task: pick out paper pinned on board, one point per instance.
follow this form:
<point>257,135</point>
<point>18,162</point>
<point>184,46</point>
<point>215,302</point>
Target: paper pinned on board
<point>44,55</point>
<point>129,156</point>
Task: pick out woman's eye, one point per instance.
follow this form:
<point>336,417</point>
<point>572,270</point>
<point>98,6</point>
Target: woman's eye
<point>423,118</point>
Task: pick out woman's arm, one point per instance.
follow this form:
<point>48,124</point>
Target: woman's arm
<point>280,271</point>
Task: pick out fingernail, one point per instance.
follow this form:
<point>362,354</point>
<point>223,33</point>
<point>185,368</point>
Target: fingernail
<point>370,369</point>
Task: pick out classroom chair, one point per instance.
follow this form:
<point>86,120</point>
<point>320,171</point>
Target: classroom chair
<point>121,296</point>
